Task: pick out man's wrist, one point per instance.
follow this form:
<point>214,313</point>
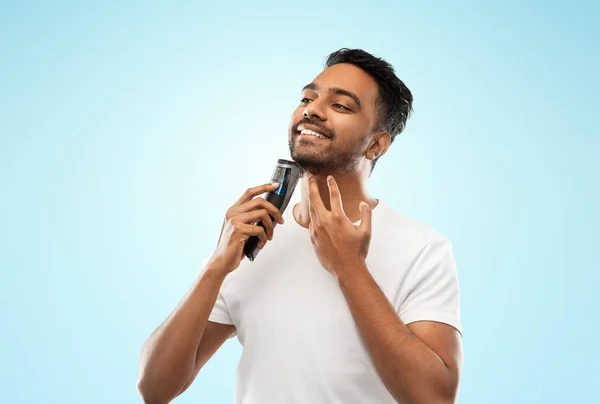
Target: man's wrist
<point>217,269</point>
<point>347,271</point>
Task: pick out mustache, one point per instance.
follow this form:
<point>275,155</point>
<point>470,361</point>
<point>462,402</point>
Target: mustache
<point>324,130</point>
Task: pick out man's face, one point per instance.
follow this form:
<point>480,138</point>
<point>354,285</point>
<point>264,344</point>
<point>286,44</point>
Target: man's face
<point>340,103</point>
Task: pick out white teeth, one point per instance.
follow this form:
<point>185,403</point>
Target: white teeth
<point>312,133</point>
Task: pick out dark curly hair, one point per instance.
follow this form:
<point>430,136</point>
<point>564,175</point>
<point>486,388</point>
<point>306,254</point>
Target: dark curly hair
<point>395,99</point>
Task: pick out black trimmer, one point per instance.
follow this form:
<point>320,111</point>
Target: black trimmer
<point>286,173</point>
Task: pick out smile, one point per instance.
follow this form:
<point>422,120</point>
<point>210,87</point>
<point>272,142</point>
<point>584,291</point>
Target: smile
<point>308,132</point>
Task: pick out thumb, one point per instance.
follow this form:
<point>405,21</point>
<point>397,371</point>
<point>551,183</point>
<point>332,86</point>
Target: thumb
<point>366,213</point>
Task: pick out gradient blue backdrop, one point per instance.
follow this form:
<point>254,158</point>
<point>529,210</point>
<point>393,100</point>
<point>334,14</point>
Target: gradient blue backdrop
<point>120,123</point>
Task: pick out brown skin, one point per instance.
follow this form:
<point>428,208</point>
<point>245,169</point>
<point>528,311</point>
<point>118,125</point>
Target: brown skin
<point>355,140</point>
<point>176,351</point>
<point>419,362</point>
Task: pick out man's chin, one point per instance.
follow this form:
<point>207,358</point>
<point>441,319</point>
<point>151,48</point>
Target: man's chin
<point>312,165</point>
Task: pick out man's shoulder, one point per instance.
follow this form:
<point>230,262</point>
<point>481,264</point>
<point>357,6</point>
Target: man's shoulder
<point>403,227</point>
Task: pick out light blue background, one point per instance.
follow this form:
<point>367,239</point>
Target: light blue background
<point>119,123</point>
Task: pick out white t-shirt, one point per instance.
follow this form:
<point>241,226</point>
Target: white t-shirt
<point>300,342</point>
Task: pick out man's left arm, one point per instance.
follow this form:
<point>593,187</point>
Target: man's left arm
<point>418,363</point>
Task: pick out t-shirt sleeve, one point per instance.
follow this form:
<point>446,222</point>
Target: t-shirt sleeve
<point>433,287</point>
<point>220,313</point>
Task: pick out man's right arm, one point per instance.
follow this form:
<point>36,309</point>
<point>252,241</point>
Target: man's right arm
<point>173,355</point>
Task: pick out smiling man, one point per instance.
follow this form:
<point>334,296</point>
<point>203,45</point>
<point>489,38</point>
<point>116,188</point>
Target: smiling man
<point>349,301</point>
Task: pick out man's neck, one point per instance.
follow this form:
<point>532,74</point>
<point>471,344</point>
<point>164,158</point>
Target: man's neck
<point>353,191</point>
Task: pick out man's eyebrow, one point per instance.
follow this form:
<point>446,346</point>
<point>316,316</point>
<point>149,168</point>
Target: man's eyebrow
<point>334,90</point>
<point>310,86</point>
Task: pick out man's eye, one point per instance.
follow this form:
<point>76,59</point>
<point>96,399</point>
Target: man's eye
<point>305,100</point>
<point>341,106</point>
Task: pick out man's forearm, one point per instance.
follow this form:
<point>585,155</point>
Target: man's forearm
<point>167,360</point>
<point>411,371</point>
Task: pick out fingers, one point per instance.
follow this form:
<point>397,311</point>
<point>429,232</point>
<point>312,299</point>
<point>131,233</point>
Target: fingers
<point>248,230</point>
<point>334,197</point>
<point>252,192</point>
<point>366,214</point>
<point>315,198</point>
<point>254,216</point>
<point>261,203</point>
<point>314,219</point>
<point>260,215</point>
<point>246,203</point>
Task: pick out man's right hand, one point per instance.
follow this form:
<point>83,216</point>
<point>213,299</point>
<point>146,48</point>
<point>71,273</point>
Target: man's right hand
<point>238,226</point>
<point>174,353</point>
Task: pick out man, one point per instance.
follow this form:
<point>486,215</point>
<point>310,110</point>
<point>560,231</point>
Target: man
<point>350,302</point>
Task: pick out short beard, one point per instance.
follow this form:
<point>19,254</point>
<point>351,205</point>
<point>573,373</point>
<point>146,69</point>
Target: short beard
<point>339,164</point>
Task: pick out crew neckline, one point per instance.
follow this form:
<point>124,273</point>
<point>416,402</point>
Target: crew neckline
<point>290,214</point>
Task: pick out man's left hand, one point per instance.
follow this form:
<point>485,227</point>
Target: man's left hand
<point>337,241</point>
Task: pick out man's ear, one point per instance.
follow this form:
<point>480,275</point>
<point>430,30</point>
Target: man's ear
<point>379,145</point>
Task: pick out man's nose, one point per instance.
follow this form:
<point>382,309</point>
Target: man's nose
<point>315,110</point>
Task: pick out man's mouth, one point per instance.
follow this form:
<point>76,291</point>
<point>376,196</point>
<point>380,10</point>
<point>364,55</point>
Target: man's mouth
<point>304,131</point>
